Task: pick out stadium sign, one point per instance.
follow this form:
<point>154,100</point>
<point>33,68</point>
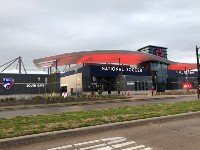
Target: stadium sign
<point>185,72</point>
<point>34,85</point>
<point>121,69</point>
<point>7,83</point>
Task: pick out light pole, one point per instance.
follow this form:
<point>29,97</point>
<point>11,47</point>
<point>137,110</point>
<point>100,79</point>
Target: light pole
<point>187,82</point>
<point>155,83</point>
<point>198,55</point>
<point>76,82</point>
<point>186,75</point>
<point>45,90</point>
<point>39,84</point>
<point>124,84</point>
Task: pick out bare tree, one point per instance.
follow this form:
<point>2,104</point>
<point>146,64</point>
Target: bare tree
<point>120,82</point>
<point>51,86</point>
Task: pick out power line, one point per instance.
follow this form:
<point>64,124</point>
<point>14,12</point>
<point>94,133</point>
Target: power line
<point>20,62</point>
<point>8,66</point>
<point>9,62</point>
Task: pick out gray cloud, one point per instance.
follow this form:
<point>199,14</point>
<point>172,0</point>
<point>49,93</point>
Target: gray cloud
<point>39,28</point>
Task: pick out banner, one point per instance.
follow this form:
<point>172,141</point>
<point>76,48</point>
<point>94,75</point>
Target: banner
<point>185,86</point>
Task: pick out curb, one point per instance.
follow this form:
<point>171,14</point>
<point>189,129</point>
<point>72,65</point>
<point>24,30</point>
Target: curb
<point>85,130</point>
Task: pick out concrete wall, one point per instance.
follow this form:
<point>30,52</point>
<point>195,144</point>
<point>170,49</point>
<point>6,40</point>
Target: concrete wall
<point>70,82</point>
<point>27,84</point>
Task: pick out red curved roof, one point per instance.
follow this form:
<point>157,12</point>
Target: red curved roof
<point>108,56</point>
<point>182,66</point>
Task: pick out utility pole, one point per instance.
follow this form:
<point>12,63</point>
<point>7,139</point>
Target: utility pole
<point>20,64</point>
<point>198,55</point>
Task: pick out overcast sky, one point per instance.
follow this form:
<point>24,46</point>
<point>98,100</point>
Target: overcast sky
<point>39,28</point>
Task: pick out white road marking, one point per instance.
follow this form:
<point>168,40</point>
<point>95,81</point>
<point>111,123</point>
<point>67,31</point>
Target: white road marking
<point>105,144</point>
<point>58,148</point>
<point>104,148</point>
<point>117,141</point>
<point>136,147</point>
<point>111,139</point>
<point>123,144</point>
<point>148,148</point>
<point>95,146</point>
<point>90,142</point>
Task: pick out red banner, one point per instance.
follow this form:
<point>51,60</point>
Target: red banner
<point>185,86</point>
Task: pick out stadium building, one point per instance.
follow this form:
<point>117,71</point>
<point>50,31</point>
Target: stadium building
<point>109,71</point>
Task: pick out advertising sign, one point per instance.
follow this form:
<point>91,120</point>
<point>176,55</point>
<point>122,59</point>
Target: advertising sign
<point>186,86</point>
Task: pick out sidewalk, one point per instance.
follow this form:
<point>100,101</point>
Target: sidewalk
<point>158,97</point>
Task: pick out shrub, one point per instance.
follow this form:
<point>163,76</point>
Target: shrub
<point>70,98</point>
<point>38,100</point>
<point>176,93</point>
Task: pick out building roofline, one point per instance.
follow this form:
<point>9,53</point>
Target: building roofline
<point>152,46</point>
<point>107,56</point>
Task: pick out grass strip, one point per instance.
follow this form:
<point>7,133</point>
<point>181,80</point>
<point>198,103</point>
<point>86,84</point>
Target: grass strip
<point>4,108</point>
<point>19,126</point>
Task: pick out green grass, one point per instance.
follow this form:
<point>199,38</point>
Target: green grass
<point>19,126</point>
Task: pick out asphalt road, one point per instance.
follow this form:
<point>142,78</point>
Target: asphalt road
<point>40,111</point>
<point>179,134</point>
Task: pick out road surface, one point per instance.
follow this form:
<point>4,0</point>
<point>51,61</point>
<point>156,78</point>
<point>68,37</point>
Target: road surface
<point>179,134</point>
